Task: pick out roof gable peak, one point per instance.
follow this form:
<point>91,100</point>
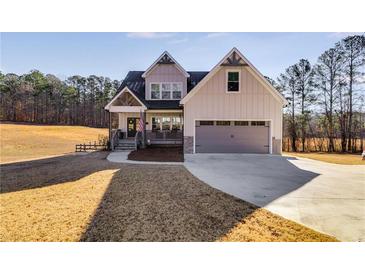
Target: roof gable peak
<point>235,58</point>
<point>166,58</point>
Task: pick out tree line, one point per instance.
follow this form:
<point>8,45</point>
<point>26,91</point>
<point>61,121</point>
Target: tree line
<point>43,98</point>
<point>326,100</point>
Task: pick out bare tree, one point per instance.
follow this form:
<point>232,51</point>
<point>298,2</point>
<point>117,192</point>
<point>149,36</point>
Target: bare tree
<point>342,115</point>
<point>304,89</point>
<point>329,80</point>
<point>287,83</point>
<point>353,50</point>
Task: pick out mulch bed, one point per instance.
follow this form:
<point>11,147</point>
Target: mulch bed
<point>158,154</point>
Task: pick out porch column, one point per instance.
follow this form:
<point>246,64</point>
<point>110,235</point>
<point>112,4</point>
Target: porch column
<point>144,130</point>
<point>110,126</point>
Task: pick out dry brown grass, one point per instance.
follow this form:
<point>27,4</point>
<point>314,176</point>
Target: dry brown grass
<point>73,198</point>
<point>334,158</point>
<point>318,144</point>
<point>21,142</point>
<point>264,226</point>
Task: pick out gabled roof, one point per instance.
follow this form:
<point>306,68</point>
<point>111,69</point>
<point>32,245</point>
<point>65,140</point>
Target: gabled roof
<point>166,58</point>
<point>235,58</point>
<point>125,89</point>
<point>136,85</point>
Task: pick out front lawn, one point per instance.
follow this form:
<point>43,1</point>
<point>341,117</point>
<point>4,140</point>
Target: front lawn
<point>334,158</point>
<point>86,198</point>
<point>27,141</point>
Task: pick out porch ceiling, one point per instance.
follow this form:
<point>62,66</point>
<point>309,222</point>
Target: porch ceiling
<point>126,108</point>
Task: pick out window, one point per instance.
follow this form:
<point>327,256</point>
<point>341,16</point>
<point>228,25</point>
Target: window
<point>166,91</point>
<point>206,123</point>
<point>241,123</point>
<point>223,123</point>
<point>155,91</point>
<point>233,81</point>
<point>176,123</point>
<point>166,121</point>
<point>258,123</point>
<point>176,90</point>
<point>156,123</point>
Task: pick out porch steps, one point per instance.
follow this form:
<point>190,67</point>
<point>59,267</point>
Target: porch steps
<point>124,146</point>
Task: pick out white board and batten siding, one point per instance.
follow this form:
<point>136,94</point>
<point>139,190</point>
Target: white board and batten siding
<point>253,102</point>
<point>165,73</point>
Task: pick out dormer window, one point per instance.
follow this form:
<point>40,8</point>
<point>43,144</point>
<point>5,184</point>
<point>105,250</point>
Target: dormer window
<point>166,91</point>
<point>233,81</point>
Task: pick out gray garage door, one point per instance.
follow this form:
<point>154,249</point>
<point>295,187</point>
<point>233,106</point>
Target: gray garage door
<point>232,137</point>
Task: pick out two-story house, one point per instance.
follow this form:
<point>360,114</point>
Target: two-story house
<point>229,109</point>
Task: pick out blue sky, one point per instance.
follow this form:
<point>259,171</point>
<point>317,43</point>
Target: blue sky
<point>114,54</point>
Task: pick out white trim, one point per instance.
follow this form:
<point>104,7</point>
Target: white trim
<point>126,109</point>
<point>277,95</point>
<point>155,83</point>
<point>164,111</point>
<point>233,119</point>
<point>177,65</point>
<point>171,90</point>
<point>162,115</point>
<point>239,81</point>
<point>126,89</point>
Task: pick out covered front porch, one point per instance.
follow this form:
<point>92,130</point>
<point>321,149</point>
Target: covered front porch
<point>160,127</point>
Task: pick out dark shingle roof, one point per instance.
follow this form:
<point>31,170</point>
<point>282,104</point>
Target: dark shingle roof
<point>136,83</point>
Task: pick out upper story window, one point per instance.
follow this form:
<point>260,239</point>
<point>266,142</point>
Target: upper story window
<point>176,90</point>
<point>233,81</point>
<point>155,91</point>
<point>166,91</point>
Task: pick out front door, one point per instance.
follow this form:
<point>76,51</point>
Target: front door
<point>132,126</point>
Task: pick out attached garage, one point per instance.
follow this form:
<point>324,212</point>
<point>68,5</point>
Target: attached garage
<point>233,109</point>
<point>232,137</point>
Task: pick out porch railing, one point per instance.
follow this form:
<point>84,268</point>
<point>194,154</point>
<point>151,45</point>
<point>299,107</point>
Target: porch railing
<point>164,136</point>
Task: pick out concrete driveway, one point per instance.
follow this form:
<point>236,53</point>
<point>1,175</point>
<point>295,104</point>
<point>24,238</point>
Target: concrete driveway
<point>326,197</point>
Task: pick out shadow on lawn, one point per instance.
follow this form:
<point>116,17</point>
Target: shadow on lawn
<point>45,172</point>
<point>167,203</point>
<point>146,202</point>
